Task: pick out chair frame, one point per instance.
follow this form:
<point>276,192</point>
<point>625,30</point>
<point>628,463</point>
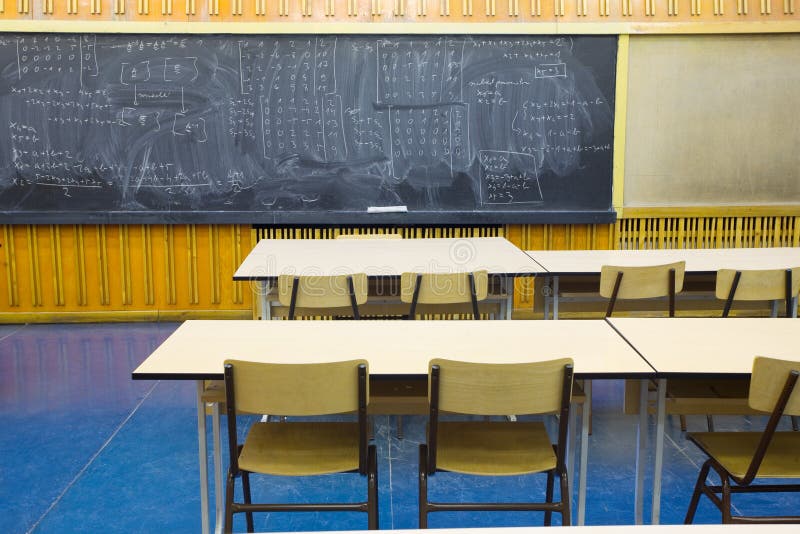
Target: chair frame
<point>367,466</point>
<point>788,297</point>
<point>473,296</point>
<point>743,485</point>
<point>427,465</point>
<point>618,281</point>
<point>350,290</point>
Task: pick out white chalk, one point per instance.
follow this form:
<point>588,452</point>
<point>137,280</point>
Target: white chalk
<point>387,209</point>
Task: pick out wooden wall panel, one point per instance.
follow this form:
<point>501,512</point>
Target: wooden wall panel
<point>119,272</point>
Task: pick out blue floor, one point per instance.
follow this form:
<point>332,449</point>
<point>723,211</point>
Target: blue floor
<point>86,449</point>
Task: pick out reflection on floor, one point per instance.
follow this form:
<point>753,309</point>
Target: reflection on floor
<point>86,449</point>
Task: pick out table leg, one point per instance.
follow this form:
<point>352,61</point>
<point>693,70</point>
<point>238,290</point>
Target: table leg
<point>587,410</point>
<point>573,443</point>
<point>219,509</point>
<point>509,289</point>
<point>264,289</point>
<point>659,461</point>
<point>203,454</point>
<point>555,298</point>
<point>641,453</point>
<point>546,295</point>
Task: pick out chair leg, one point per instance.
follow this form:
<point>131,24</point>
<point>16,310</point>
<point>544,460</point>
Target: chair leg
<point>698,489</point>
<point>372,488</point>
<point>795,423</point>
<point>423,486</point>
<point>683,422</point>
<point>566,500</point>
<point>247,499</point>
<point>399,427</point>
<point>726,499</point>
<point>229,503</point>
<point>548,497</point>
<point>710,422</point>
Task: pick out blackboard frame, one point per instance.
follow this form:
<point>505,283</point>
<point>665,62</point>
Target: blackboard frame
<point>413,217</point>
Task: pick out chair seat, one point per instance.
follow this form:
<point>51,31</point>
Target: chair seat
<point>735,450</point>
<point>302,448</point>
<point>497,448</point>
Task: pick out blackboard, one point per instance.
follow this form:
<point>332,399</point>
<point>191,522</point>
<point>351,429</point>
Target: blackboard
<point>305,129</point>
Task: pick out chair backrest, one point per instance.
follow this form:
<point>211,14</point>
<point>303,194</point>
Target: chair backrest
<point>768,284</point>
<point>772,389</point>
<point>444,288</point>
<point>651,281</point>
<point>767,382</point>
<point>369,236</point>
<point>500,388</point>
<point>295,389</point>
<point>317,292</point>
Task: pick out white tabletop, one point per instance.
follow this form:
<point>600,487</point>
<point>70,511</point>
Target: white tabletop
<point>697,260</point>
<point>197,349</point>
<point>710,346</point>
<point>384,257</point>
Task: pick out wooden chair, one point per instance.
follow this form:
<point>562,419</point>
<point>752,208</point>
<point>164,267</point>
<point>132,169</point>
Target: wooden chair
<point>753,285</point>
<point>772,284</point>
<point>650,281</point>
<point>497,448</point>
<point>739,458</point>
<point>444,292</point>
<point>643,282</point>
<point>300,448</point>
<point>339,295</point>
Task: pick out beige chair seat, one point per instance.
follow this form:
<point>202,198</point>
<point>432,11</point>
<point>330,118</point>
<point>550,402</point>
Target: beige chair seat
<point>735,450</point>
<point>298,449</point>
<point>496,448</point>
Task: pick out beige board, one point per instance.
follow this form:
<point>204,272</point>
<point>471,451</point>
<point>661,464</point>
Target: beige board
<point>712,346</point>
<point>711,120</point>
<point>321,257</point>
<point>391,347</point>
<point>697,260</point>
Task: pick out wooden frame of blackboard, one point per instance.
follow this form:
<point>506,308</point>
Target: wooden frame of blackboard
<point>480,215</point>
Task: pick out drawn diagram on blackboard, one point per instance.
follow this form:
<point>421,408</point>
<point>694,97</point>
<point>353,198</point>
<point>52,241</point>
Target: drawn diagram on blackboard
<point>509,177</point>
<point>258,127</point>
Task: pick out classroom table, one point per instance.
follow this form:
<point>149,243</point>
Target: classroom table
<point>702,348</point>
<point>698,261</point>
<point>384,258</point>
<point>197,349</point>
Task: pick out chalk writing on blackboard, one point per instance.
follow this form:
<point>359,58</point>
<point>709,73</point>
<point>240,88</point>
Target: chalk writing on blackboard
<point>260,125</point>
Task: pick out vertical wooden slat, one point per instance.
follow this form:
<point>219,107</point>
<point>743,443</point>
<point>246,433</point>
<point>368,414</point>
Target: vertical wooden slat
<point>191,240</point>
<point>147,260</point>
<point>236,230</point>
<point>56,265</point>
<point>33,261</point>
<point>214,253</point>
<point>169,267</point>
<point>102,265</point>
<point>11,265</point>
<point>80,264</point>
<point>125,264</point>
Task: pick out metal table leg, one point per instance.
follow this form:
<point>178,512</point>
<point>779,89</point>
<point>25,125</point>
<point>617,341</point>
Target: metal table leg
<point>587,410</point>
<point>555,298</point>
<point>218,486</point>
<point>203,457</point>
<point>641,453</point>
<point>659,460</point>
<point>264,288</point>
